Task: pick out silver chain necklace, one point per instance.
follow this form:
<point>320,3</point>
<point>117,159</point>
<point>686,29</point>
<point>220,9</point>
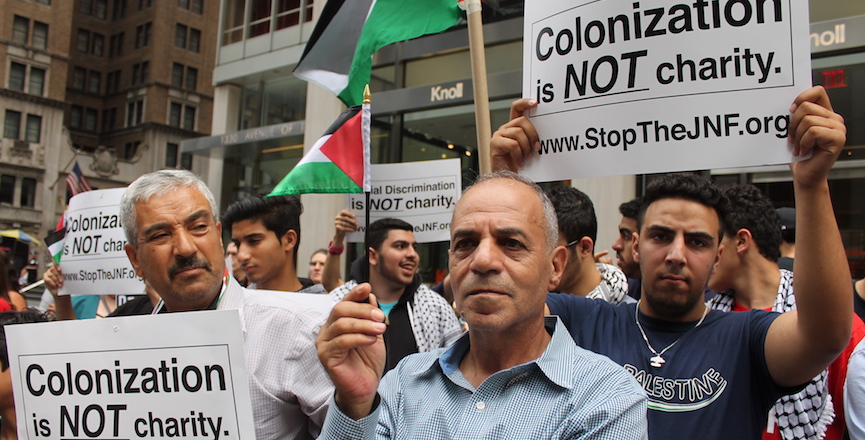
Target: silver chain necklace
<point>658,360</point>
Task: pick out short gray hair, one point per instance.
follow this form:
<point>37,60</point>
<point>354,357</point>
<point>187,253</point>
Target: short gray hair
<point>151,184</point>
<point>549,212</point>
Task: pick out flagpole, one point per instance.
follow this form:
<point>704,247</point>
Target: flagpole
<point>367,99</point>
<point>479,82</point>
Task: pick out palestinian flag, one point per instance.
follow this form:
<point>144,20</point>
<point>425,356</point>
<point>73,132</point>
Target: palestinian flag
<point>339,160</point>
<point>54,242</point>
<point>338,55</point>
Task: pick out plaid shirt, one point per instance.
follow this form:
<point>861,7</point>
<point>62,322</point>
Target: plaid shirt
<point>568,392</point>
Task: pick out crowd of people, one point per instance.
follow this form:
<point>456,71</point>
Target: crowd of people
<point>695,333</point>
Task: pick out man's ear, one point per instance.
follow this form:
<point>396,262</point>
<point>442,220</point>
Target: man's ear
<point>587,247</point>
<point>635,246</point>
<point>289,240</point>
<point>373,257</point>
<point>744,240</point>
<point>559,259</point>
<point>132,254</point>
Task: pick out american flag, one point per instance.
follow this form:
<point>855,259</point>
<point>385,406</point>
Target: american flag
<point>76,181</point>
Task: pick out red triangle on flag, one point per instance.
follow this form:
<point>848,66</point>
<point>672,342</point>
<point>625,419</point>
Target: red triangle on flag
<point>345,148</point>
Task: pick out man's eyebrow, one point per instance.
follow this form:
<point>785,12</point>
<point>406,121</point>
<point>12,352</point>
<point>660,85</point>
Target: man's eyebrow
<point>195,216</point>
<point>659,228</point>
<point>625,231</point>
<point>462,233</point>
<point>703,235</point>
<point>163,225</point>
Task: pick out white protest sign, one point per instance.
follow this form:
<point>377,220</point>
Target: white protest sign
<point>155,376</point>
<point>93,260</point>
<point>421,193</point>
<point>656,85</point>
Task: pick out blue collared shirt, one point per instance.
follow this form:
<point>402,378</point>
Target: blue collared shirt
<point>568,392</point>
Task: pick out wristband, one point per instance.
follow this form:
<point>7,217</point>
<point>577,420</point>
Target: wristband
<point>333,250</point>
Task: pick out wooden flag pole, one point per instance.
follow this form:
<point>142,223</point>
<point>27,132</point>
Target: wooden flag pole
<point>479,83</point>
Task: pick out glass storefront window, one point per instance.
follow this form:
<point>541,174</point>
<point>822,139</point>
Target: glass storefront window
<point>457,65</point>
<point>233,21</point>
<point>284,101</point>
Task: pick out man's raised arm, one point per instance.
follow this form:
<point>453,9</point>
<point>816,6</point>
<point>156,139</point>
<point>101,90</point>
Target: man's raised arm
<point>801,343</point>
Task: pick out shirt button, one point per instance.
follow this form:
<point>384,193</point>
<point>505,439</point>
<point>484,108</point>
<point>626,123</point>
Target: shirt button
<point>480,406</point>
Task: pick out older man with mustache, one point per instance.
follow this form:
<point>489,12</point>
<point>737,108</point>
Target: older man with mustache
<point>175,243</point>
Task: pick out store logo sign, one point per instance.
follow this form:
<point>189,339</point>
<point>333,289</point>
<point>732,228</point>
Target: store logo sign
<point>831,37</point>
<point>439,93</point>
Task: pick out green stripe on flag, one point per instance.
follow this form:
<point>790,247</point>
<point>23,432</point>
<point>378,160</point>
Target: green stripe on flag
<point>316,177</point>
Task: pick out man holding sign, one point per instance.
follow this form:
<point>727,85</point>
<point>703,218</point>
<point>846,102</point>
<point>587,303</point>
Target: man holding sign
<point>709,374</point>
<point>175,243</point>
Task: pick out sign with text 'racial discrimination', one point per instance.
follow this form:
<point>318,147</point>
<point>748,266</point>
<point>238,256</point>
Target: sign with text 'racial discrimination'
<point>656,85</point>
<point>93,260</point>
<point>179,375</point>
<point>421,193</point>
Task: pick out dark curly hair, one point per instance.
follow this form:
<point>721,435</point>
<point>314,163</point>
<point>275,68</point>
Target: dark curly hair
<point>750,209</point>
<point>575,213</point>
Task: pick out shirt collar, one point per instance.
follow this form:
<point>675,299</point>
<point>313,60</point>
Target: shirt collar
<point>556,362</point>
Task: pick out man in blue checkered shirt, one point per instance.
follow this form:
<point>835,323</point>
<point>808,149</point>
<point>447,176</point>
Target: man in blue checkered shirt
<point>514,374</point>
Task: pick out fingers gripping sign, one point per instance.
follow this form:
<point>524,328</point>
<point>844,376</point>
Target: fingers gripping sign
<point>817,130</point>
<point>351,348</point>
<point>515,141</point>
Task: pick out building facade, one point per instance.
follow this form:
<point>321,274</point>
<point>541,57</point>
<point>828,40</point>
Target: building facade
<point>264,117</point>
<point>116,89</point>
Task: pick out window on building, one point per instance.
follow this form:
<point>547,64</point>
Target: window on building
<point>79,78</point>
<point>188,118</point>
<point>144,4</point>
<point>180,35</point>
<point>34,129</point>
<point>130,149</point>
<point>17,76</point>
<point>44,2</point>
<point>233,21</point>
<point>177,75</point>
<point>98,44</point>
<point>134,112</point>
<point>115,45</point>
<point>191,78</point>
<point>94,81</point>
<point>12,125</point>
<point>112,81</point>
<point>119,10</point>
<point>109,119</point>
<point>142,35</point>
<point>90,120</point>
<point>186,161</point>
<point>36,86</point>
<point>197,6</point>
<point>171,151</point>
<point>174,111</point>
<point>28,192</point>
<point>7,189</point>
<point>82,43</point>
<point>293,12</point>
<point>85,7</point>
<point>183,4</point>
<point>259,17</point>
<point>100,9</point>
<point>76,115</point>
<point>20,29</point>
<point>139,72</point>
<point>40,35</point>
<point>194,40</point>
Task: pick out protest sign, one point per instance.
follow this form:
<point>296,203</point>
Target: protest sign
<point>93,260</point>
<point>421,193</point>
<point>655,85</point>
<point>159,376</point>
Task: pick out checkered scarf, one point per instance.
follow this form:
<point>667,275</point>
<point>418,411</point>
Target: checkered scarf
<point>806,414</point>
